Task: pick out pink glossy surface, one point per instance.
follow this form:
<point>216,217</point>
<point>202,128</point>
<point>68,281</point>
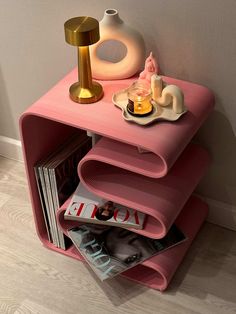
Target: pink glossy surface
<point>54,117</point>
<point>164,139</point>
<point>108,171</point>
<point>158,271</point>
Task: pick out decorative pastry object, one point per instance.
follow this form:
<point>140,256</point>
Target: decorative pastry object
<point>82,32</point>
<point>139,99</point>
<point>113,28</point>
<point>150,68</point>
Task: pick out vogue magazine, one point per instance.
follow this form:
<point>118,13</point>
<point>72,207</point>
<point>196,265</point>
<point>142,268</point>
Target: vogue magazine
<point>112,250</point>
<point>87,207</point>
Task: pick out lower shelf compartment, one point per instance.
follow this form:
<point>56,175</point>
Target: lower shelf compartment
<point>158,271</point>
<point>104,174</point>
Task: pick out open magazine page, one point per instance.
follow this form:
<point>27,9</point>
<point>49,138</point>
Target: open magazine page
<point>112,250</point>
<point>87,207</point>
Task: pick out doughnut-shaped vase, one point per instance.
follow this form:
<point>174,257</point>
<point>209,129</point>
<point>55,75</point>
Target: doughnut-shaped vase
<point>113,28</point>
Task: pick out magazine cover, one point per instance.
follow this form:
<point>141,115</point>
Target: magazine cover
<point>87,207</point>
<point>112,250</point>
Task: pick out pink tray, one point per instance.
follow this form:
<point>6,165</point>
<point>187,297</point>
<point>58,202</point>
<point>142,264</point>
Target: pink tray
<point>157,271</point>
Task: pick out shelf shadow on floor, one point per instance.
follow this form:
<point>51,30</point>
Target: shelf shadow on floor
<point>209,267</point>
<point>119,290</point>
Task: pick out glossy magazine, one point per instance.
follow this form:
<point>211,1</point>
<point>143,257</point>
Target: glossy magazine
<point>112,250</point>
<point>87,207</point>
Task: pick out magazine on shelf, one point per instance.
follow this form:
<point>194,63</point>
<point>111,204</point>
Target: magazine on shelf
<point>87,207</point>
<point>110,250</point>
<point>38,169</point>
<point>64,179</point>
<point>47,219</point>
<point>57,176</point>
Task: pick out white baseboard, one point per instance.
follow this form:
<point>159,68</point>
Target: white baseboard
<point>221,213</point>
<point>10,148</point>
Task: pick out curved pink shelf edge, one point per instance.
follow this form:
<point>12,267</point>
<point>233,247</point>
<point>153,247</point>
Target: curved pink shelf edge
<point>106,172</point>
<point>39,136</point>
<point>165,140</point>
<point>157,271</point>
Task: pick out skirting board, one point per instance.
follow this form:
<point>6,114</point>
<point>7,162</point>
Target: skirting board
<point>10,148</point>
<point>220,213</point>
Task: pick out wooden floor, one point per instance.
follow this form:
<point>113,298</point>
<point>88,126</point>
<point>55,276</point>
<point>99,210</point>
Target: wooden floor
<point>36,280</point>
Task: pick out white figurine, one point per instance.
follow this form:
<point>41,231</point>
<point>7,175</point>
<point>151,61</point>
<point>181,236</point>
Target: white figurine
<point>172,94</point>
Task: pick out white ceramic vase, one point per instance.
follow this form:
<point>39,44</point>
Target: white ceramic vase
<point>113,28</point>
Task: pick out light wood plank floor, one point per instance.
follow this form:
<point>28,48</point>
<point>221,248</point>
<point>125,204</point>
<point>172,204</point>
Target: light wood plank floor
<point>36,280</point>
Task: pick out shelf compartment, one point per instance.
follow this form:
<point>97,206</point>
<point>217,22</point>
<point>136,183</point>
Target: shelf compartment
<point>157,271</point>
<point>128,157</point>
<point>39,137</point>
<point>106,173</point>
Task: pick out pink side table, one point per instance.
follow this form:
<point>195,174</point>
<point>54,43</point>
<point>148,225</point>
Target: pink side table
<point>159,183</point>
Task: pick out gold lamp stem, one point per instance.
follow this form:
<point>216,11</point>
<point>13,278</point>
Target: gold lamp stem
<point>81,32</point>
<point>84,67</point>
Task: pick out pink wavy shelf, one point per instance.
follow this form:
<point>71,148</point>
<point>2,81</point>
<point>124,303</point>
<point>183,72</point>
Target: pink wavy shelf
<point>107,170</point>
<point>54,117</point>
<point>164,139</point>
<point>157,271</point>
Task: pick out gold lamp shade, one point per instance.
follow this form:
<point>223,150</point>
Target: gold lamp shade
<point>82,32</point>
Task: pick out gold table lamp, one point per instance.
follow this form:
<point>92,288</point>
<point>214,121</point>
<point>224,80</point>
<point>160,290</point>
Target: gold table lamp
<point>82,32</point>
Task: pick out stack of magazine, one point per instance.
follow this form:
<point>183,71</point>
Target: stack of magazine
<point>57,179</point>
<point>103,239</point>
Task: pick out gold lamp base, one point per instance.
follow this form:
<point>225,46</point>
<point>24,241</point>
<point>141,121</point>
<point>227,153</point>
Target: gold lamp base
<point>86,95</point>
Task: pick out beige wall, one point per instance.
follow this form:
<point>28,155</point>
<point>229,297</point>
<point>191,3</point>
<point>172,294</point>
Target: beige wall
<point>195,40</point>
